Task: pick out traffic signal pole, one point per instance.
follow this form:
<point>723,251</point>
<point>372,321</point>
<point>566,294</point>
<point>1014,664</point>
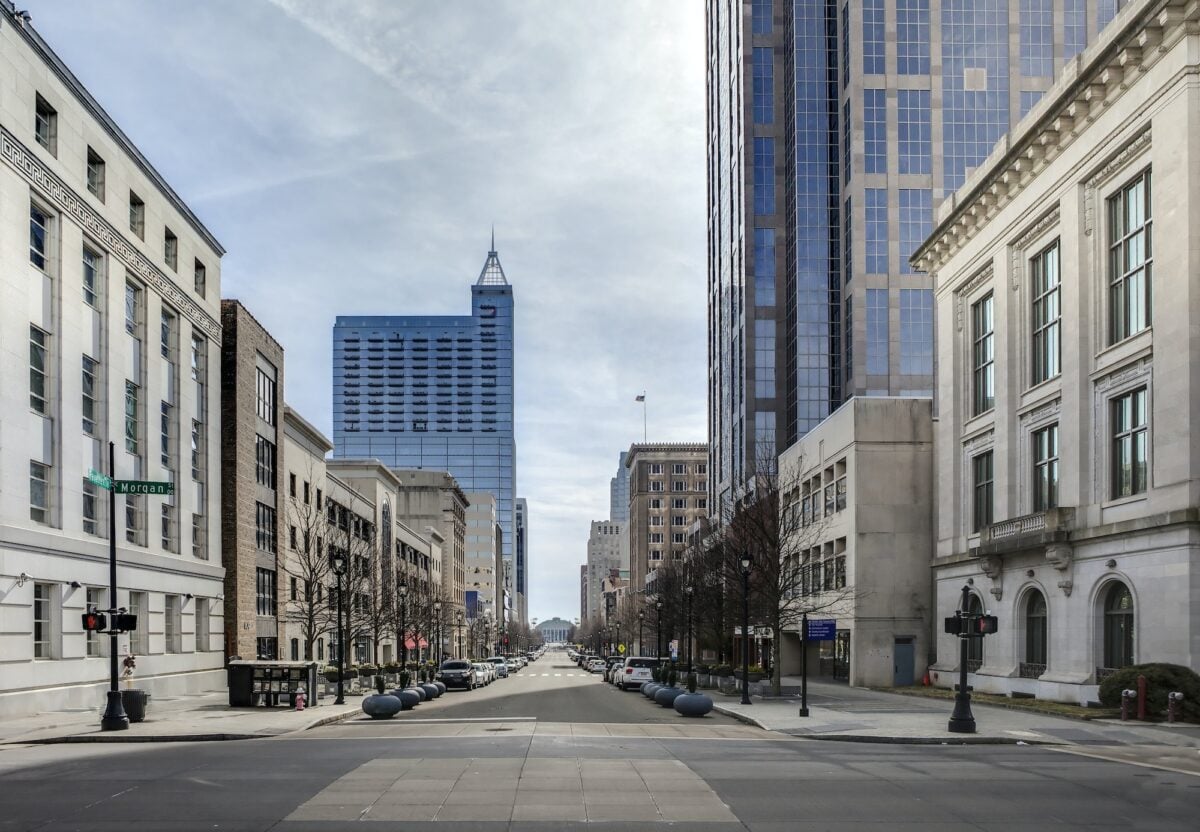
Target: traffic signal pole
<point>114,718</point>
<point>962,721</point>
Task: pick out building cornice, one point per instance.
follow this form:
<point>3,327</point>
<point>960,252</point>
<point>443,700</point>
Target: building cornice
<point>306,428</point>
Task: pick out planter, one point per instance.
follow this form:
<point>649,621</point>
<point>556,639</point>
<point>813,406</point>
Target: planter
<point>419,691</point>
<point>133,701</point>
<point>431,691</point>
<point>693,704</point>
<point>381,706</point>
<point>666,696</point>
<point>649,688</point>
<point>408,697</point>
<point>441,686</point>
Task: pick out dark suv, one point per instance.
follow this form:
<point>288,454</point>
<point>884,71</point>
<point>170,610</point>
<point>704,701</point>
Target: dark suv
<point>457,673</point>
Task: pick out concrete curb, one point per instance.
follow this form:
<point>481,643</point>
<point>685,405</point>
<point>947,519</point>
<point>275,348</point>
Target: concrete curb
<point>740,717</point>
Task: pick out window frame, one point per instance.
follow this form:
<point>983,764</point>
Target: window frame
<point>137,215</point>
<point>983,494</point>
<point>45,124</point>
<point>1120,434</point>
<point>1046,299</point>
<point>95,173</point>
<point>1044,451</point>
<point>40,484</point>
<point>1120,277</point>
<point>41,220</point>
<point>39,376</point>
<point>983,355</point>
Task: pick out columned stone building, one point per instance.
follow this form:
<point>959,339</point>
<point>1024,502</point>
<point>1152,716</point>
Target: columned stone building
<point>1066,461</point>
<point>668,490</point>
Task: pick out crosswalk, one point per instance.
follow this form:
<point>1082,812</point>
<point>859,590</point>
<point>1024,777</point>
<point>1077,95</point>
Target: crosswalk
<point>568,675</point>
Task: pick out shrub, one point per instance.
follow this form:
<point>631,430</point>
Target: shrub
<point>691,683</point>
<point>379,684</point>
<point>1161,679</point>
<point>330,673</point>
<point>391,667</point>
<point>367,670</point>
<point>722,670</point>
<point>405,678</point>
<point>672,676</point>
<point>656,674</point>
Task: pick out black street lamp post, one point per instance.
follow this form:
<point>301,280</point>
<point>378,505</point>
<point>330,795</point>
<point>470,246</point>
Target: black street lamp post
<point>962,721</point>
<point>337,562</point>
<point>658,630</point>
<point>460,626</point>
<point>687,590</point>
<point>437,612</point>
<point>746,629</point>
<point>617,646</point>
<point>641,622</point>
<point>403,592</point>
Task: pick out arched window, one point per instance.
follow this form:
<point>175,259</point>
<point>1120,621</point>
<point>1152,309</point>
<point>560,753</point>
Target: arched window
<point>1118,627</point>
<point>974,645</point>
<point>1034,664</point>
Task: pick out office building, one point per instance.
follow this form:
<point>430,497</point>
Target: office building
<point>485,589</point>
<point>668,491</point>
<point>607,551</point>
<point>110,333</point>
<point>521,543</point>
<point>1065,451</point>
<point>434,393</point>
<point>834,131</point>
<point>618,493</point>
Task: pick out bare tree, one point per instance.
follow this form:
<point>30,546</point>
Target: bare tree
<point>308,564</point>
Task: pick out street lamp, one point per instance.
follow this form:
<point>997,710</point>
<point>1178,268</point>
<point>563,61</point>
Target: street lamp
<point>641,622</point>
<point>403,592</point>
<point>658,605</point>
<point>687,590</point>
<point>437,612</point>
<point>460,626</point>
<point>337,562</point>
<point>962,721</point>
<point>746,629</point>
<point>617,648</point>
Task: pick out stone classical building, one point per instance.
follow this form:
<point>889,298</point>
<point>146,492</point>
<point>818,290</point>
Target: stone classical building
<point>109,333</point>
<point>434,500</point>
<point>252,504</point>
<point>555,631</point>
<point>668,491</point>
<point>607,550</point>
<point>1066,460</point>
<point>859,491</point>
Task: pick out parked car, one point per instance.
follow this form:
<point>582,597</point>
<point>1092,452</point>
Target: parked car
<point>457,673</point>
<point>484,673</point>
<point>636,672</point>
<point>596,665</point>
<point>611,664</point>
<point>501,666</point>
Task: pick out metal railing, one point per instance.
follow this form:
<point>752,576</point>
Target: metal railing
<point>1031,670</point>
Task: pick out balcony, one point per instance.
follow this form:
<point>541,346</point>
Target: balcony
<point>1032,531</point>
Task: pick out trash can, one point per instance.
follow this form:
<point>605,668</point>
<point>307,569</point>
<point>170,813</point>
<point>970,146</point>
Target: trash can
<point>134,703</point>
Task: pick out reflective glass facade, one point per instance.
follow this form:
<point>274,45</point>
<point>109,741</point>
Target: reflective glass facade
<point>433,392</point>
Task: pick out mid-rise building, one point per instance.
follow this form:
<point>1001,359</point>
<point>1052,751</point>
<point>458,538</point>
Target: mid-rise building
<point>485,574</point>
<point>607,550</point>
<point>1065,448</point>
<point>110,334</point>
<point>434,393</point>
<point>521,589</point>
<point>668,491</point>
<point>618,493</point>
<point>834,131</point>
<point>583,591</point>
<point>432,503</point>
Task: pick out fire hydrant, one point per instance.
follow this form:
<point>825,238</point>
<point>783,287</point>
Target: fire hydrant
<point>300,699</point>
<point>1127,697</point>
<point>1173,700</point>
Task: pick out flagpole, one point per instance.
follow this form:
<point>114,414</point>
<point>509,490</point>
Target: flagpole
<point>644,440</point>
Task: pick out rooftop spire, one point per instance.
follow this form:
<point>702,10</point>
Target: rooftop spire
<point>492,273</point>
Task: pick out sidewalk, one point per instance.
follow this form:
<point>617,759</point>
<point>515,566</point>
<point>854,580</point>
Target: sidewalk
<point>205,716</point>
<point>838,712</point>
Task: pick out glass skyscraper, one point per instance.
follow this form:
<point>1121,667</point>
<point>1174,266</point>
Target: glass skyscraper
<point>434,392</point>
<point>835,128</point>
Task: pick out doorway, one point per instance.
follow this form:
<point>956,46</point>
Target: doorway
<point>902,661</point>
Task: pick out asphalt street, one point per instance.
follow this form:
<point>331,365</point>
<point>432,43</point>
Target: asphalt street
<point>546,752</point>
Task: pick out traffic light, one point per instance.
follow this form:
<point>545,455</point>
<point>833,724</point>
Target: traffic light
<point>506,639</point>
<point>987,625</point>
<point>124,622</point>
<point>94,621</point>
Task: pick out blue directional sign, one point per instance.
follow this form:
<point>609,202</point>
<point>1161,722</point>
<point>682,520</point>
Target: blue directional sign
<point>822,629</point>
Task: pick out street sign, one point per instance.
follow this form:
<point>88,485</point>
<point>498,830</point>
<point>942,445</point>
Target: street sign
<point>621,649</point>
<point>96,478</point>
<point>822,629</point>
<point>143,487</point>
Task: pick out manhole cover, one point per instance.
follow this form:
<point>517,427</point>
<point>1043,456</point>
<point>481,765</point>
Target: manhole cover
<point>497,729</point>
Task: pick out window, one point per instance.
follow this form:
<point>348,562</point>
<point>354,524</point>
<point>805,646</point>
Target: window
<point>306,492</point>
<point>197,453</point>
<point>912,37</point>
<point>877,230</point>
<point>1037,38</point>
<point>200,278</point>
<point>679,520</point>
<point>1047,314</point>
<point>167,527</point>
<point>202,625</point>
<point>760,17</point>
<point>139,638</point>
<point>1035,636</point>
<point>264,528</point>
<point>764,175</point>
<point>131,417</point>
<point>877,332</point>
<point>197,359</point>
<point>1130,255</point>
<point>678,537</point>
<point>164,434</point>
<point>679,485</point>
<point>656,468</point>
<point>166,336</point>
<point>95,174</point>
<point>678,468</point>
<point>656,537</point>
<point>43,621</point>
<point>764,360</point>
<point>137,215</point>
<point>264,456</point>
<point>914,120</point>
<point>656,503</point>
<point>1118,627</point>
<point>656,521</point>
<point>135,518</point>
<point>982,514</point>
<point>293,583</point>
<point>1130,453</point>
<point>875,130</point>
<point>91,274</point>
<point>45,124</point>
<point>38,367</point>
<point>763,85</point>
<point>983,357</point>
<point>172,625</point>
<point>1045,468</point>
<point>133,305</point>
<point>916,332</point>
<point>95,643</point>
<point>916,219</point>
<point>656,486</point>
<point>292,486</point>
<point>679,503</point>
<point>39,492</point>
<point>171,249</point>
<point>265,591</point>
<point>38,238</point>
<point>91,510</point>
<point>265,399</point>
<point>873,37</point>
<point>199,536</point>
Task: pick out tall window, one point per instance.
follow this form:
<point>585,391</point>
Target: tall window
<point>764,85</point>
<point>916,221</point>
<point>1047,314</point>
<point>264,528</point>
<point>1037,38</point>
<point>1035,635</point>
<point>38,367</point>
<point>764,175</point>
<point>202,625</point>
<point>916,332</point>
<point>164,432</point>
<point>764,266</point>
<point>873,38</point>
<point>166,339</point>
<point>172,625</point>
<point>877,332</point>
<point>1130,453</point>
<point>875,130</point>
<point>133,306</point>
<point>171,249</point>
<point>135,520</point>
<point>265,591</point>
<point>197,452</point>
<point>45,124</point>
<point>760,17</point>
<point>877,230</point>
<point>764,358</point>
<point>139,637</point>
<point>1118,627</point>
<point>1130,260</point>
<point>914,120</point>
<point>983,357</point>
<point>95,174</point>
<point>137,215</point>
<point>91,509</point>
<point>200,278</point>
<point>265,399</point>
<point>95,600</point>
<point>1045,468</point>
<point>983,487</point>
<point>91,276</point>
<point>264,455</point>
<point>43,621</point>
<point>37,236</point>
<point>131,418</point>
<point>39,492</point>
<point>912,37</point>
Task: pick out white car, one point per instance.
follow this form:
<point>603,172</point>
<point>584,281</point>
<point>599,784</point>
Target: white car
<point>486,672</point>
<point>595,666</point>
<point>501,666</point>
<point>635,672</point>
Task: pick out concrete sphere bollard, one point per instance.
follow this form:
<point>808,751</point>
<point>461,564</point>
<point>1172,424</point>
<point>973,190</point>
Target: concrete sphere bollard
<point>693,704</point>
<point>666,696</point>
<point>432,691</point>
<point>381,706</point>
<point>409,697</point>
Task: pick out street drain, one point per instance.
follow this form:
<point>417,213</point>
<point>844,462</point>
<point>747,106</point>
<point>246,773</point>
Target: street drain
<point>497,729</point>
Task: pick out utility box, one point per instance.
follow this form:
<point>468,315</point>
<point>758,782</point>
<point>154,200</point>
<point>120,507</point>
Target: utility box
<point>253,683</point>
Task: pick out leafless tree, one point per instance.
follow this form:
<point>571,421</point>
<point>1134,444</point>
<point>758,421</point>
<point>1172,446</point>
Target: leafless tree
<point>308,564</point>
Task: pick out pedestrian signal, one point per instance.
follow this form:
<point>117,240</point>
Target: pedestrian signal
<point>94,621</point>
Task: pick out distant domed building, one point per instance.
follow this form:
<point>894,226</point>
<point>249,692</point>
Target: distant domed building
<point>555,629</point>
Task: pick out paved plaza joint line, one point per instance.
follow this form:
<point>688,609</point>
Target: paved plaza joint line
<point>517,789</point>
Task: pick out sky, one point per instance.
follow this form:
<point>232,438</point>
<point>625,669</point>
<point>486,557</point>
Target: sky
<point>352,157</point>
